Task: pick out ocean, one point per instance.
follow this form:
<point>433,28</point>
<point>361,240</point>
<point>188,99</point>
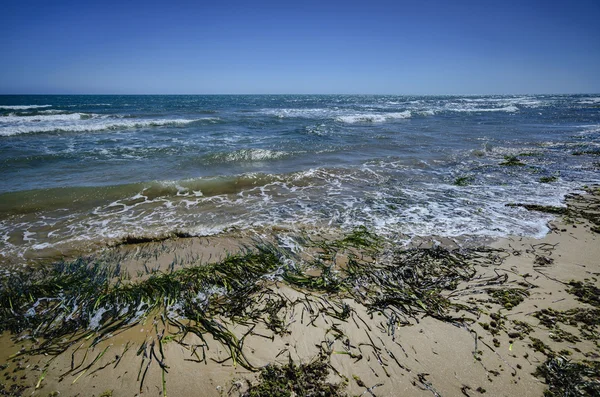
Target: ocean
<point>85,171</point>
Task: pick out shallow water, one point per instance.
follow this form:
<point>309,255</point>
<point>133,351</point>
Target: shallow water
<point>81,169</point>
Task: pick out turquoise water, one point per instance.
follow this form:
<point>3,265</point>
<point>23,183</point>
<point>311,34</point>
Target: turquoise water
<point>76,169</point>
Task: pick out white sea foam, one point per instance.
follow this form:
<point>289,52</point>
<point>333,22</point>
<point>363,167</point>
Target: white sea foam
<point>373,117</point>
<point>41,118</point>
<point>300,113</point>
<point>96,319</point>
<point>590,101</point>
<point>250,155</point>
<point>338,114</point>
<point>474,109</point>
<point>80,122</point>
<point>23,107</point>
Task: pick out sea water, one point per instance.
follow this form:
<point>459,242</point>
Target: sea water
<point>81,169</point>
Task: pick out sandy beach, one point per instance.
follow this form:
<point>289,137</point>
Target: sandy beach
<point>350,316</point>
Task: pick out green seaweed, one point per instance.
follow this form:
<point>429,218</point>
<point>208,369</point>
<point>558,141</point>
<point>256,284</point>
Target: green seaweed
<point>548,209</point>
<point>512,161</point>
<point>591,152</point>
<point>585,292</point>
<point>565,378</point>
<point>508,297</point>
<point>539,346</point>
<point>463,181</point>
<point>295,380</point>
<point>548,179</point>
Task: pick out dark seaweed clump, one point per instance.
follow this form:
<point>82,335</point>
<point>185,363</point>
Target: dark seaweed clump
<point>509,297</point>
<point>548,209</point>
<point>288,380</point>
<point>548,179</point>
<point>140,239</point>
<point>463,180</point>
<point>593,152</point>
<point>570,379</point>
<point>512,161</point>
<point>585,292</point>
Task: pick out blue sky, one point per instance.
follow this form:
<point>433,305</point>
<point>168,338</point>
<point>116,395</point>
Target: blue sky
<point>385,47</point>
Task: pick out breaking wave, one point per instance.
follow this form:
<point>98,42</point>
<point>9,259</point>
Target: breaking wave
<point>81,122</point>
<point>23,107</point>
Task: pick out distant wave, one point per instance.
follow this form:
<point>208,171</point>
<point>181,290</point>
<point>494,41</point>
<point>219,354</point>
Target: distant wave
<point>22,107</point>
<point>81,122</point>
<point>373,117</point>
<point>472,109</point>
<point>46,117</point>
<point>339,115</point>
<point>301,113</point>
<point>590,101</point>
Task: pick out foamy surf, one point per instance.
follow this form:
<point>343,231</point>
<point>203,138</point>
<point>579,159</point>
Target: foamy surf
<point>338,114</point>
<point>402,166</point>
<point>245,155</point>
<point>373,117</point>
<point>23,107</point>
<point>82,122</point>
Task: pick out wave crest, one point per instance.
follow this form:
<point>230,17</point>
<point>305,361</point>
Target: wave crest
<point>81,122</point>
<point>23,107</point>
<point>374,117</point>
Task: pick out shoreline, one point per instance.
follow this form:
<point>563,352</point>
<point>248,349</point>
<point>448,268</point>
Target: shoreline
<point>478,320</point>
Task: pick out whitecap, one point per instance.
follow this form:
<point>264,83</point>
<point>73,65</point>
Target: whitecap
<point>373,117</point>
<point>80,122</point>
<point>22,107</point>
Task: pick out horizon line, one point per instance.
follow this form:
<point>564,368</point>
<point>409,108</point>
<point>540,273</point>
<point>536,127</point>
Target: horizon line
<point>297,94</point>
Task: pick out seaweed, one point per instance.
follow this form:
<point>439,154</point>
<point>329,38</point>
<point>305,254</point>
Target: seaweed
<point>295,380</point>
<point>591,152</point>
<point>548,179</point>
<point>463,181</point>
<point>508,298</point>
<point>140,239</point>
<point>585,292</point>
<point>412,282</point>
<point>539,346</point>
<point>548,209</point>
<point>79,304</point>
<point>566,378</point>
<point>512,161</point>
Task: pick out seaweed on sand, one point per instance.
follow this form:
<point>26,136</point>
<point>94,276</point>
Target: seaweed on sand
<point>85,302</point>
<point>295,380</point>
<point>508,297</point>
<point>585,292</point>
<point>139,239</point>
<point>588,318</point>
<point>565,378</point>
<point>77,300</point>
<point>411,283</point>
